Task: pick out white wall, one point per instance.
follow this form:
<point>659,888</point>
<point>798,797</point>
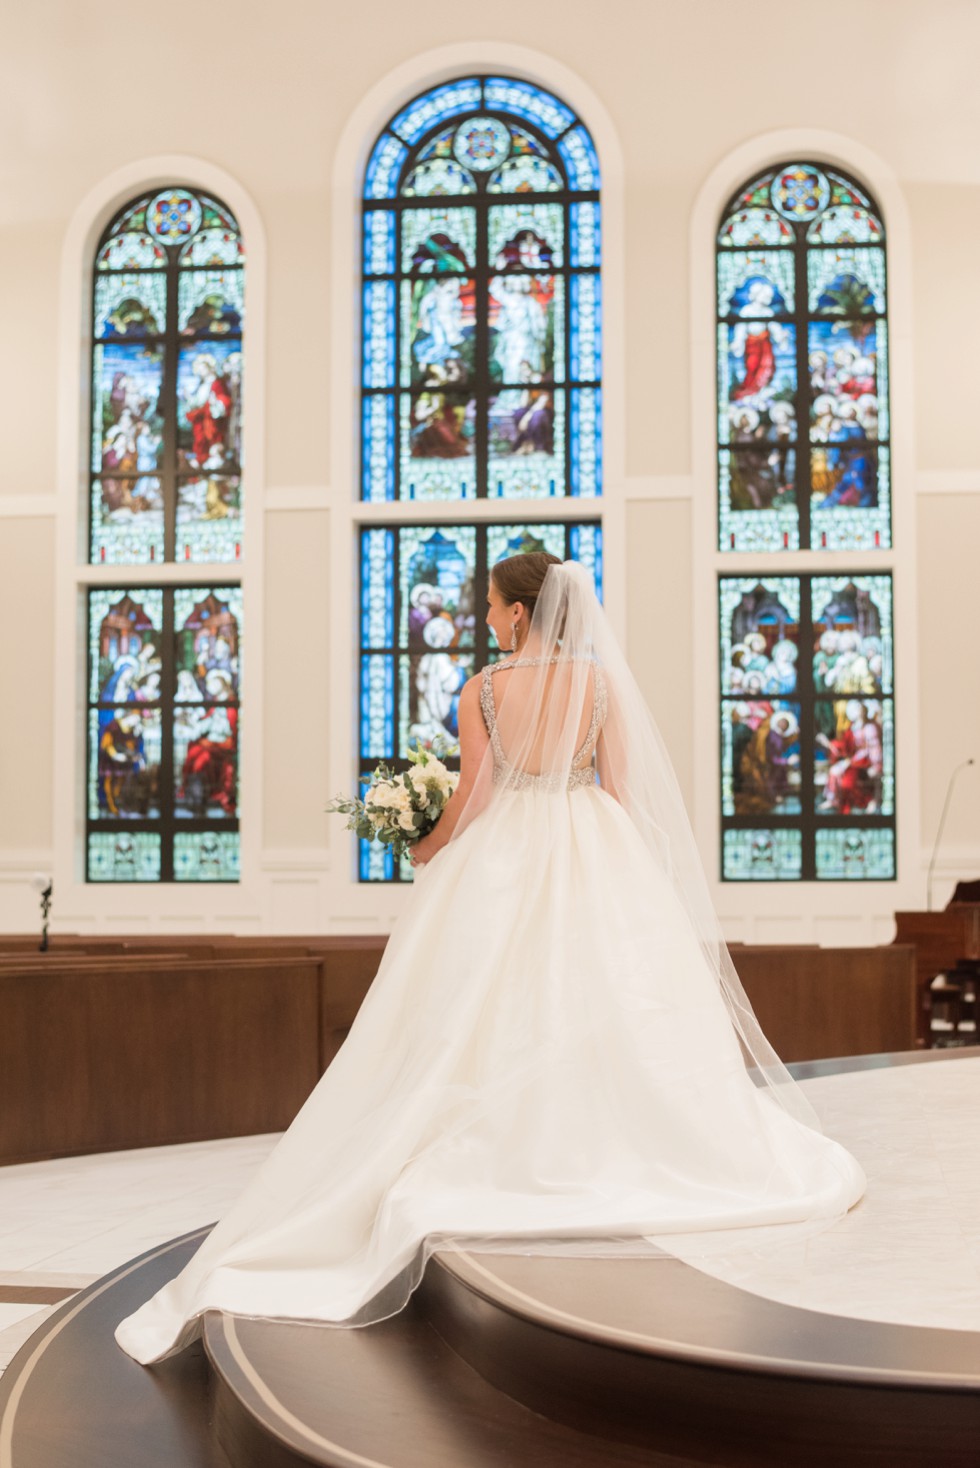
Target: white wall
<point>265,94</point>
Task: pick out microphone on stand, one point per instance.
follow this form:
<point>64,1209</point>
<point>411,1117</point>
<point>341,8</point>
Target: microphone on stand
<point>942,823</point>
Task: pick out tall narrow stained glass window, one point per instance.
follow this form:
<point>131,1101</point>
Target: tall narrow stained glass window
<point>165,487</point>
<point>807,714</point>
<point>481,380</point>
<point>803,422</point>
<point>481,299</point>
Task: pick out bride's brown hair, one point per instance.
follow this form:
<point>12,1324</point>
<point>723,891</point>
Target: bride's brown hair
<point>520,578</point>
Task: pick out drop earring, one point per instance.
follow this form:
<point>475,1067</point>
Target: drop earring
<point>513,637</point>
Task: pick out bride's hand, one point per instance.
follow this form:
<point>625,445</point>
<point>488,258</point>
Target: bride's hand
<point>421,852</point>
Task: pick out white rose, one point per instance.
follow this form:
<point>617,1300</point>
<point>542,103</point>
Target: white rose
<point>406,820</point>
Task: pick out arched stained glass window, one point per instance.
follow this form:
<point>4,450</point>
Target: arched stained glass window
<point>481,325</point>
<point>803,424</point>
<point>807,715</point>
<point>165,486</point>
<point>481,375</point>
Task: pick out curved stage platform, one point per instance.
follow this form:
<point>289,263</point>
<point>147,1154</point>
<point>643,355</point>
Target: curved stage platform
<point>504,1360</point>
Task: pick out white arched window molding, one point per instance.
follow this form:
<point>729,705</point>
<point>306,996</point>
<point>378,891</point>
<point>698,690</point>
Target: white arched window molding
<point>93,907</point>
<point>829,912</point>
<point>350,905</point>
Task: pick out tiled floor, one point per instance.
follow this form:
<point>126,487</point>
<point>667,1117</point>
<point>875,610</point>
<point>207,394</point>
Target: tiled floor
<point>910,1251</point>
<point>63,1224</point>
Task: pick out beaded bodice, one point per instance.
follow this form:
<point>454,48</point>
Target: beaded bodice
<point>582,772</point>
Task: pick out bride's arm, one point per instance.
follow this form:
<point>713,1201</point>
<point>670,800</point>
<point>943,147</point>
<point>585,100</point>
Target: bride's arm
<point>604,766</point>
<point>473,740</point>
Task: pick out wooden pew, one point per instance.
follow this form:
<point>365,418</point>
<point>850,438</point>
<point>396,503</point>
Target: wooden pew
<point>102,1054</point>
<point>816,1003</point>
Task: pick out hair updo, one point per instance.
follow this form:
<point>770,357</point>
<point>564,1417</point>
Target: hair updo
<point>520,578</point>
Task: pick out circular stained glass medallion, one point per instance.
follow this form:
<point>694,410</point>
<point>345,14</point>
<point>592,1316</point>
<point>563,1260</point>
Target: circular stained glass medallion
<point>800,192</point>
<point>173,216</point>
<point>481,143</point>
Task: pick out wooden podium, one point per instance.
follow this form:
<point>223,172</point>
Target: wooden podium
<point>945,942</point>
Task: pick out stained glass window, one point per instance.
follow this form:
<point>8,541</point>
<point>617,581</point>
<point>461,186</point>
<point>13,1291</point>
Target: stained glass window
<point>423,632</point>
<point>163,682</point>
<point>807,722</point>
<point>481,308</point>
<point>165,485</point>
<point>168,308</point>
<point>802,349</point>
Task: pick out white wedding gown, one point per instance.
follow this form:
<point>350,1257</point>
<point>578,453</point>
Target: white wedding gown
<point>545,1056</point>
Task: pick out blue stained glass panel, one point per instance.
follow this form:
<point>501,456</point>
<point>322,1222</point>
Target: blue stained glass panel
<point>207,627</point>
<point>846,224</point>
<point>760,757</point>
<point>384,168</point>
<point>124,763</point>
<point>210,302</point>
<point>526,322</point>
<point>375,862</point>
<point>123,856</point>
<point>526,174</point>
<point>516,540</point>
<point>436,572</point>
<point>377,588</point>
<point>438,241</point>
<point>437,455</point>
<point>846,282</point>
<point>430,685</point>
<point>379,335</point>
<point>125,631</point>
<point>757,382</point>
<point>586,235</point>
<point>213,248</point>
<point>133,305</point>
<point>762,856</point>
<point>756,283</point>
<point>131,250</point>
<point>433,177</point>
<point>585,545</point>
<point>848,854</point>
<point>127,426</point>
<point>209,519</point>
<point>379,242</point>
<point>586,441</point>
<point>504,94</point>
<point>755,228</point>
<point>205,743</point>
<point>854,764</point>
<point>843,526</point>
<point>757,505</point>
<point>206,856</point>
<point>580,159</point>
<point>852,634</point>
<point>438,332</point>
<point>126,519</point>
<point>585,327</point>
<point>209,406</point>
<point>526,236</point>
<point>435,106</point>
<point>760,634</point>
<point>378,448</point>
<point>378,706</point>
<point>527,442</point>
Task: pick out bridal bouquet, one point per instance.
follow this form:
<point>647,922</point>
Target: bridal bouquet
<point>399,810</point>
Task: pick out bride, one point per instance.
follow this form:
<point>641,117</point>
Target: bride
<point>556,1054</point>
